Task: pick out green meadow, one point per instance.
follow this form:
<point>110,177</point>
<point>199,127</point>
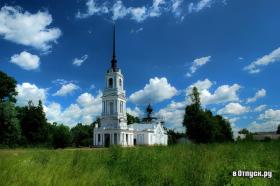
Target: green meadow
<point>186,164</point>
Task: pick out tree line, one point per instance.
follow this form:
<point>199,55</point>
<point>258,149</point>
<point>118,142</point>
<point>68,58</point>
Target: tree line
<point>28,126</point>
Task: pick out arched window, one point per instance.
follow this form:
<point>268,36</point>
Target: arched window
<point>120,83</point>
<point>110,83</point>
<point>121,107</point>
<point>111,108</point>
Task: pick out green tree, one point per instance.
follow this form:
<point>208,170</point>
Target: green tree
<point>82,135</point>
<point>195,99</point>
<point>9,124</point>
<point>244,131</point>
<point>7,87</point>
<point>132,119</point>
<point>61,136</point>
<point>174,136</point>
<point>202,126</point>
<point>33,123</point>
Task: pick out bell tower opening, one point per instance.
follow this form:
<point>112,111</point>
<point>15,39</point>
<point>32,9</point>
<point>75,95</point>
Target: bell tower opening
<point>110,83</point>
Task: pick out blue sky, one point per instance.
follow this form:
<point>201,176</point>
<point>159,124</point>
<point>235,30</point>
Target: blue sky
<point>230,49</point>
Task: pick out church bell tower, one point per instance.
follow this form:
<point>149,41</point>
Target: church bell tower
<point>113,98</point>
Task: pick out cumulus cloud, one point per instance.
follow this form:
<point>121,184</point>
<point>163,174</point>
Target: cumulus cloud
<point>134,112</point>
<point>233,109</point>
<point>30,92</point>
<point>156,91</point>
<point>259,94</point>
<point>268,121</point>
<point>28,29</point>
<point>202,4</point>
<point>26,60</point>
<point>118,10</point>
<point>255,66</point>
<point>263,126</point>
<point>223,94</point>
<point>66,89</point>
<point>197,63</point>
<point>85,110</point>
<point>173,114</point>
<point>79,61</point>
<point>270,114</point>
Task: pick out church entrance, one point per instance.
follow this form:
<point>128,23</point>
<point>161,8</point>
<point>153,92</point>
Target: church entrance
<point>134,142</point>
<point>107,140</point>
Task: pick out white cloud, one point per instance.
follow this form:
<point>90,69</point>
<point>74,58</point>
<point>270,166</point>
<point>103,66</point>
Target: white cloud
<point>66,89</point>
<point>273,57</point>
<point>233,109</point>
<point>27,92</point>
<point>155,9</point>
<point>173,114</point>
<point>118,10</point>
<point>92,9</point>
<point>197,63</point>
<point>266,126</point>
<point>261,93</point>
<point>260,108</point>
<point>202,4</point>
<point>85,110</point>
<point>270,114</point>
<point>70,116</point>
<point>157,90</point>
<point>200,85</point>
<point>92,86</point>
<point>222,94</point>
<point>28,29</point>
<point>26,60</point>
<point>134,112</point>
<point>79,61</point>
<point>136,31</point>
<point>268,121</point>
<point>138,14</point>
<point>176,8</point>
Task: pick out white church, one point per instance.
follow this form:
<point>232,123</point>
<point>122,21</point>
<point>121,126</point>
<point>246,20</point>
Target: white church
<point>113,129</point>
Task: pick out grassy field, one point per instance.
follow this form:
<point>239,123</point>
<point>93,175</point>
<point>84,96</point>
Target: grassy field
<point>187,164</point>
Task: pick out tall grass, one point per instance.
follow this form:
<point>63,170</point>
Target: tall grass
<point>187,164</point>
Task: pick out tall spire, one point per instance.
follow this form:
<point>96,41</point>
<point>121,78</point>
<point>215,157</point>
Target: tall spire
<point>114,60</point>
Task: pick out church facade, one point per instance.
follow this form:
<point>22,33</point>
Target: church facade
<point>113,129</point>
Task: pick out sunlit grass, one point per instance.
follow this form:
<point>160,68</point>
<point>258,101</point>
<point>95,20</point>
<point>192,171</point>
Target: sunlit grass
<point>187,164</point>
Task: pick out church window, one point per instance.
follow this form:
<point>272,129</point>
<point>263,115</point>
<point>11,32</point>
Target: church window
<point>120,83</point>
<point>111,107</point>
<point>121,107</point>
<point>110,83</point>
